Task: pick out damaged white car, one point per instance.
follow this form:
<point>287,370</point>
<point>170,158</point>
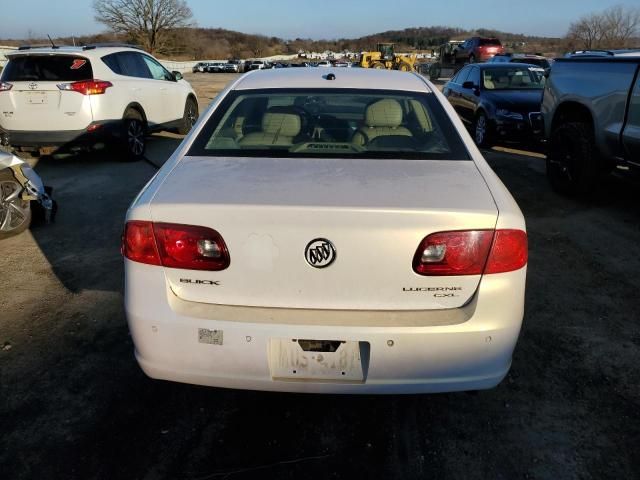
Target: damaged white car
<point>327,232</point>
<point>20,185</point>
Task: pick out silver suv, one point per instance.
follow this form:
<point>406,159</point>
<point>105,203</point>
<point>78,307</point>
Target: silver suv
<point>591,112</point>
<point>85,96</point>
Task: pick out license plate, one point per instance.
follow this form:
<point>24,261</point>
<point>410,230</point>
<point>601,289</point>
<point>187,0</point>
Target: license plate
<point>37,98</point>
<point>289,361</point>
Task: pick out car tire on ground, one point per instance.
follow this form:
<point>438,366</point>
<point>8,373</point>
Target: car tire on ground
<point>190,116</point>
<point>15,213</point>
<point>482,133</point>
<point>573,164</point>
<point>434,72</point>
<point>133,136</point>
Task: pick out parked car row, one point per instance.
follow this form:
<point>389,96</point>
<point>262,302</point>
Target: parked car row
<point>239,66</point>
<point>232,66</point>
<point>584,108</point>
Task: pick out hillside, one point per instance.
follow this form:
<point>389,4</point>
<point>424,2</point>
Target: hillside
<point>196,43</point>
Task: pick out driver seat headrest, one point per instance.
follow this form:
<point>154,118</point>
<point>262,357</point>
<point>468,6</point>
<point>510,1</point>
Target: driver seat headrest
<point>384,113</point>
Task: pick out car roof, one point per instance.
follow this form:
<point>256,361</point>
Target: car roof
<point>629,52</point>
<point>360,78</point>
<point>86,51</point>
<point>505,65</point>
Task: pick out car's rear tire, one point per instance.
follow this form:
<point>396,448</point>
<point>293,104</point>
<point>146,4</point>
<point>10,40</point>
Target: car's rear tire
<point>573,164</point>
<point>190,116</point>
<point>482,131</point>
<point>133,136</point>
<point>15,213</point>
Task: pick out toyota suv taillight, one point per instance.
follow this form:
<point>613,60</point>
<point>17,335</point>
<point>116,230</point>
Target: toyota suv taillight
<point>86,87</point>
<point>471,252</point>
<point>175,246</point>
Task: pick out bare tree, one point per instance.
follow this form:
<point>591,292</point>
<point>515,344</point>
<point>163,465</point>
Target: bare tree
<point>613,28</point>
<point>621,25</point>
<point>146,22</point>
<point>587,32</point>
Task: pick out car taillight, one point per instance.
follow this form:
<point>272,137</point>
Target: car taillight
<point>175,246</point>
<point>5,87</point>
<point>138,243</point>
<point>86,87</point>
<point>509,252</point>
<point>471,252</point>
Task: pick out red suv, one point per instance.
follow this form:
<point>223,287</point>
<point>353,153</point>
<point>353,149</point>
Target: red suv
<point>478,49</point>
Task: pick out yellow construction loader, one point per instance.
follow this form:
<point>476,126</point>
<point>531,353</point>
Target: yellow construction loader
<point>385,57</point>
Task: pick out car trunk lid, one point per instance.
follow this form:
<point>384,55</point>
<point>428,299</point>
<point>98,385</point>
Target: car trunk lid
<point>374,212</point>
<point>35,102</point>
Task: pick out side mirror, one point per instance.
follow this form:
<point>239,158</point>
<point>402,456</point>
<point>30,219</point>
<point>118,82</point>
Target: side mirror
<point>177,76</point>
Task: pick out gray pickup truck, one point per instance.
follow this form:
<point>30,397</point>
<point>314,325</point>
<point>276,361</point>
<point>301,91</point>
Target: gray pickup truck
<point>591,111</point>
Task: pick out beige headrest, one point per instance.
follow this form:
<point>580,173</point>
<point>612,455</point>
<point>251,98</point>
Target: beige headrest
<point>285,124</point>
<point>384,113</point>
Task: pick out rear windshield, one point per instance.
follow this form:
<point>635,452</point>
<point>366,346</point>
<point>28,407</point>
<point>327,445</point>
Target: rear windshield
<point>47,68</point>
<point>330,123</point>
<point>489,41</point>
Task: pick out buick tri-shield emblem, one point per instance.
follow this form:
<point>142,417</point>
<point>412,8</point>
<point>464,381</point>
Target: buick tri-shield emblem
<point>320,253</point>
<point>33,85</point>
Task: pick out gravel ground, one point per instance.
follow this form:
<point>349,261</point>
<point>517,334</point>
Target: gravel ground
<point>75,405</point>
<point>208,85</point>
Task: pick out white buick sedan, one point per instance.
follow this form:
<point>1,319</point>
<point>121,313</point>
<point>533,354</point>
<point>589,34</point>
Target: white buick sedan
<point>327,232</point>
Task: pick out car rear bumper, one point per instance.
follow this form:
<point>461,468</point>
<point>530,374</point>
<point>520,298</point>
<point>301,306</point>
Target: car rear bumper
<point>377,386</point>
<point>56,138</point>
<point>407,352</point>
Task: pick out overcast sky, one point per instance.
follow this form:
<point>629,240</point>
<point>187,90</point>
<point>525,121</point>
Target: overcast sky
<point>316,19</point>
